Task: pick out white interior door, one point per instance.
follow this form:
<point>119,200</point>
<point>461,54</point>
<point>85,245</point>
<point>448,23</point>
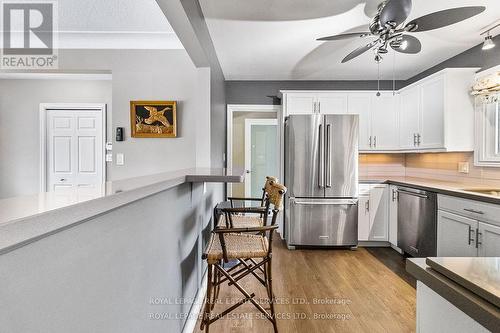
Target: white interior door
<point>75,149</point>
<point>261,154</point>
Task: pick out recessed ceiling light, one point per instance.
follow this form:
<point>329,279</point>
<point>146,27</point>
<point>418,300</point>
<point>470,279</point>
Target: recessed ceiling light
<point>488,43</point>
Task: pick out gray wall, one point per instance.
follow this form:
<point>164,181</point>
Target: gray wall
<point>265,92</point>
<point>100,276</point>
<point>473,57</point>
<point>19,125</point>
<point>258,92</point>
<point>148,75</point>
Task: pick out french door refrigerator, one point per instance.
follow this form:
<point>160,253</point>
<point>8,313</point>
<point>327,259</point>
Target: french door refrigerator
<point>321,174</point>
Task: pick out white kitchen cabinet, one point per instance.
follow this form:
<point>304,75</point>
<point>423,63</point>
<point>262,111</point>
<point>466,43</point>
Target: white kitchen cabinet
<point>384,122</point>
<point>300,103</point>
<point>437,113</point>
<point>467,228</point>
<point>409,118</point>
<point>393,215</point>
<point>378,207</point>
<point>378,120</point>
<point>360,104</point>
<point>488,240</point>
<point>456,235</point>
<point>373,214</point>
<point>332,103</point>
<point>432,114</point>
<point>363,218</point>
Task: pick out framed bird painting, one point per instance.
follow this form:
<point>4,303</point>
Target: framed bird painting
<point>153,119</point>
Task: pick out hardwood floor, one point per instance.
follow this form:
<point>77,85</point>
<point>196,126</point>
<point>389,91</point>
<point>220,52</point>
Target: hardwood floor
<point>325,291</point>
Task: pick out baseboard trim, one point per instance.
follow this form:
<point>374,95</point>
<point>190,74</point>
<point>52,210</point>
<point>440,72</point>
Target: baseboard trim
<point>194,313</point>
<point>373,244</point>
<point>397,249</point>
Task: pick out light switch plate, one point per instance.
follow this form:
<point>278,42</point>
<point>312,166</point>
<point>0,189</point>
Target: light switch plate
<point>120,160</point>
<point>109,146</point>
<point>463,167</point>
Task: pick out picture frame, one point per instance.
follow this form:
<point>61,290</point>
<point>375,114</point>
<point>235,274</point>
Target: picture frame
<point>153,119</point>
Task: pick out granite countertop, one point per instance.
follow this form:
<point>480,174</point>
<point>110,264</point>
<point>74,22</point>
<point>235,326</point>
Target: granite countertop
<point>470,284</point>
<point>443,187</point>
<point>27,218</point>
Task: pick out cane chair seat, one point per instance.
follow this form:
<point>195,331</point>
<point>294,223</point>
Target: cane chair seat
<point>241,221</point>
<point>237,246</point>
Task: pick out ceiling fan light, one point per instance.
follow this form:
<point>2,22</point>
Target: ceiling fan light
<point>488,43</point>
<point>404,45</point>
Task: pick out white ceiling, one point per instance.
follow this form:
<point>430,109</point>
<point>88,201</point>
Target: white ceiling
<point>114,24</point>
<point>276,39</point>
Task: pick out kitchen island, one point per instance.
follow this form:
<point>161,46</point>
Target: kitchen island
<point>457,294</point>
<point>110,259</point>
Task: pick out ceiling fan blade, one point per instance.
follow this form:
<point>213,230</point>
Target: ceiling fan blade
<point>371,7</point>
<point>444,17</point>
<point>345,36</point>
<point>396,11</point>
<point>408,44</point>
<point>359,51</point>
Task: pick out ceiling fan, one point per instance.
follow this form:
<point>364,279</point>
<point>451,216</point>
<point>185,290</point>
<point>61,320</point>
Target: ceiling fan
<point>390,28</point>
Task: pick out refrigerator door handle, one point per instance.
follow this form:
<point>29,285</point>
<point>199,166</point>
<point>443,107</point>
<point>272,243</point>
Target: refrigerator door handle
<point>321,171</point>
<point>349,202</point>
<point>328,158</point>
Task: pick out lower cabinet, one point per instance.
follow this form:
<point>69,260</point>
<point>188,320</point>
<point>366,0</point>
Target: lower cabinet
<point>373,214</point>
<point>488,240</point>
<point>460,236</point>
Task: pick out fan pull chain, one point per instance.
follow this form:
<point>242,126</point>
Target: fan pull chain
<point>394,73</point>
<point>378,78</point>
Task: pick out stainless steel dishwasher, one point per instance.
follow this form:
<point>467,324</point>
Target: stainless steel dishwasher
<point>417,222</point>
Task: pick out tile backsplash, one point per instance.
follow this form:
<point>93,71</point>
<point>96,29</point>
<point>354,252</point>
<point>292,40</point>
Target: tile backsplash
<point>440,166</point>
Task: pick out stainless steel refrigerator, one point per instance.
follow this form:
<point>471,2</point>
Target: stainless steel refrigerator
<point>321,174</point>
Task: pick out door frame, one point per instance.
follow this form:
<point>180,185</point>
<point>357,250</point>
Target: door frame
<point>44,107</point>
<point>248,139</point>
<point>231,108</point>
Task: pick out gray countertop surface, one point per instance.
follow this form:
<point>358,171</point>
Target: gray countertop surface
<point>457,189</point>
<point>28,218</point>
<point>464,282</point>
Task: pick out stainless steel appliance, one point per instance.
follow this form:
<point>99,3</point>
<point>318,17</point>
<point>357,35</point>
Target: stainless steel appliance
<point>417,222</point>
<point>321,173</point>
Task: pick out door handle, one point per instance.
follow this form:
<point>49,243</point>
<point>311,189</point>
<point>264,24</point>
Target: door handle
<point>470,238</point>
<point>418,139</point>
<point>474,211</point>
<point>423,196</point>
<point>319,107</point>
<point>321,171</point>
<point>62,179</point>
<point>370,141</point>
<point>394,195</point>
<point>328,158</point>
<point>477,238</point>
<point>375,141</point>
<point>336,202</point>
<point>414,139</point>
<point>367,206</point>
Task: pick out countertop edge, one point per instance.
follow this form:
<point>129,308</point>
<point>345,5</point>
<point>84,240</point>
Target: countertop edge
<point>436,189</point>
<point>482,311</point>
<point>22,231</point>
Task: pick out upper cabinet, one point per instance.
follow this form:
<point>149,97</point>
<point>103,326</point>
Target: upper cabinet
<point>437,113</point>
<point>433,114</point>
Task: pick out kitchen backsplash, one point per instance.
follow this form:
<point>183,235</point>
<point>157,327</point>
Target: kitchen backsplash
<point>440,166</point>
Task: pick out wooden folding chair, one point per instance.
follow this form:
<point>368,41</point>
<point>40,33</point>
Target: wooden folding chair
<point>242,244</point>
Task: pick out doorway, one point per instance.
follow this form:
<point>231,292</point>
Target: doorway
<point>261,150</point>
<point>72,150</point>
<point>247,124</point>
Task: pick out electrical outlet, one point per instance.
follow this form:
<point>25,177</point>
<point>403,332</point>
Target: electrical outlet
<point>109,157</point>
<point>463,167</point>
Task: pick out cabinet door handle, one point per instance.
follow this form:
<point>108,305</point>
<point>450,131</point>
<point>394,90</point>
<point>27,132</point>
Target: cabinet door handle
<point>367,206</point>
<point>370,141</point>
<point>470,238</point>
<point>414,139</point>
<point>319,107</point>
<point>474,211</point>
<point>375,141</point>
<point>394,195</point>
<point>477,238</point>
<point>418,139</point>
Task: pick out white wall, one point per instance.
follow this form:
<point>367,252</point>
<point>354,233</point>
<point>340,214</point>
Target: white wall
<point>19,125</point>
